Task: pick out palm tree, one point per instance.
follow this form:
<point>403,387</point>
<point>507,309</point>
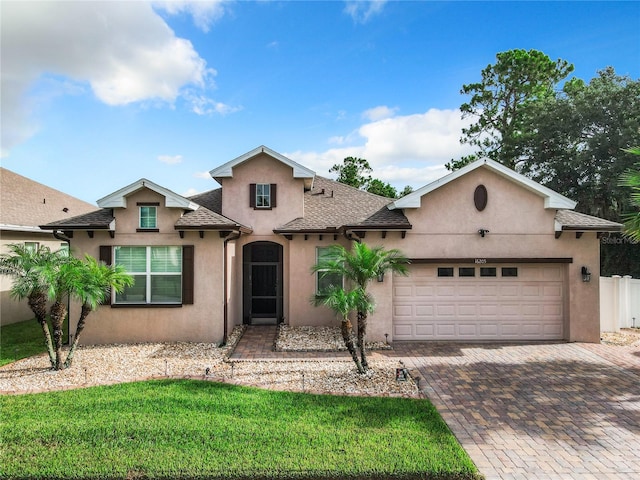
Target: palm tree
<point>360,266</point>
<point>25,265</point>
<point>92,286</point>
<point>60,277</point>
<point>343,303</point>
<point>631,179</point>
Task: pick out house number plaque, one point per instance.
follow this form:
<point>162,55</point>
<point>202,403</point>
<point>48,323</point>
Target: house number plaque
<point>480,260</point>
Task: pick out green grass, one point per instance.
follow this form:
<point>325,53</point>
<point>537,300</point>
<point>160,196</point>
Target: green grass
<point>20,340</point>
<point>189,429</point>
<point>24,339</point>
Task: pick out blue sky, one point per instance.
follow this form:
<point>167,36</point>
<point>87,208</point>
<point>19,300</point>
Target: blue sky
<point>96,95</point>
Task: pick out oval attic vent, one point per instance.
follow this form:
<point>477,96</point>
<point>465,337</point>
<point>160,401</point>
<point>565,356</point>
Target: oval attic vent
<point>480,197</point>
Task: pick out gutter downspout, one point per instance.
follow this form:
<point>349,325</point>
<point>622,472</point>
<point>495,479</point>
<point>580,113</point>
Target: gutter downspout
<point>225,286</point>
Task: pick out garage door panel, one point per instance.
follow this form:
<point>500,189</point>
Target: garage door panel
<point>423,330</point>
<point>424,291</point>
<point>446,310</point>
<point>424,310</point>
<point>403,311</point>
<point>403,291</point>
<point>528,306</point>
<point>444,330</point>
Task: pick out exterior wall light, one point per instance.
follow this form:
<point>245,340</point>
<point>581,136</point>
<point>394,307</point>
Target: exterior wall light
<point>483,232</point>
<point>586,274</point>
<point>381,277</point>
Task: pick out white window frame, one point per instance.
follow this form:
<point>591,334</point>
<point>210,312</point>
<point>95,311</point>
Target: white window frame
<point>148,275</point>
<point>263,200</point>
<point>32,247</point>
<point>320,272</point>
<point>155,217</point>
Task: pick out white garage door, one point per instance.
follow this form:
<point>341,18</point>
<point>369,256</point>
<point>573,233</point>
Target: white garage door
<point>479,302</point>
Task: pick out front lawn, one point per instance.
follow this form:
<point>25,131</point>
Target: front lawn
<point>20,340</point>
<point>196,430</point>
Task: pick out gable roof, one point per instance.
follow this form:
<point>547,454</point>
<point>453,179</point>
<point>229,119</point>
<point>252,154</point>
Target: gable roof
<point>118,199</point>
<point>551,199</point>
<point>576,221</point>
<point>299,171</point>
<point>332,206</point>
<point>25,204</point>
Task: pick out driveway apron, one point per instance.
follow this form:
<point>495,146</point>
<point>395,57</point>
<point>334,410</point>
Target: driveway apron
<point>541,411</point>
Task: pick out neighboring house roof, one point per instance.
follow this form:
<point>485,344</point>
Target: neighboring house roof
<point>26,204</point>
<point>551,199</point>
<point>331,206</point>
<point>299,171</point>
<point>570,220</point>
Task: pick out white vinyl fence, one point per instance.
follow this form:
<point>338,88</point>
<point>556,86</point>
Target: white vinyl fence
<point>619,303</point>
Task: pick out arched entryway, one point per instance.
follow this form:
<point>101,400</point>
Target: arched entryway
<point>262,283</point>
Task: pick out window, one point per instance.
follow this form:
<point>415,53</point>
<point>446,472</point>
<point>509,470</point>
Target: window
<point>32,247</point>
<point>64,249</point>
<point>487,271</point>
<point>445,271</point>
<point>157,274</point>
<point>324,281</point>
<point>148,218</point>
<point>509,271</point>
<point>466,272</point>
<point>262,195</point>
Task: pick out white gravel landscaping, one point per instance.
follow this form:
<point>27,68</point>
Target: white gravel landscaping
<point>110,364</point>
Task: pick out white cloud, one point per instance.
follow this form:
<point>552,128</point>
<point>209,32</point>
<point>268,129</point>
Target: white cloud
<point>124,51</point>
<point>402,150</point>
<point>191,192</point>
<point>205,175</point>
<point>203,12</point>
<point>170,159</point>
<point>379,113</point>
<point>203,105</point>
<point>361,11</point>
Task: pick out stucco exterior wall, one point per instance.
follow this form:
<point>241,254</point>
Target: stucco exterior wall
<point>263,169</point>
<point>200,322</point>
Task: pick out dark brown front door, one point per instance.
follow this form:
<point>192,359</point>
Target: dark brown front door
<point>262,283</point>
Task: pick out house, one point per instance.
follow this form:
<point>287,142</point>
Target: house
<point>494,255</point>
<point>25,204</point>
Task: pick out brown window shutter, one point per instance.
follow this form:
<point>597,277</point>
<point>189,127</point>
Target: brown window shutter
<point>106,253</point>
<point>187,274</point>
<point>273,195</point>
<point>252,195</point>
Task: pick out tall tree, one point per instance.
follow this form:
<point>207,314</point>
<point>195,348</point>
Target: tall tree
<point>353,171</point>
<point>359,267</point>
<point>579,146</point>
<point>499,104</point>
<point>356,173</point>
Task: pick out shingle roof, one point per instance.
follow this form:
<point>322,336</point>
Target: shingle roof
<point>331,205</point>
<point>207,216</point>
<point>97,220</point>
<point>26,203</point>
<point>571,220</point>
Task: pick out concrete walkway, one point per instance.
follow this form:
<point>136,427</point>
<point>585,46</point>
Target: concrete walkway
<point>541,411</point>
<point>537,411</point>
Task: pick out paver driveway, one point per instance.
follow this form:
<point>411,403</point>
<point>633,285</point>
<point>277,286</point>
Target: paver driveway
<point>537,411</point>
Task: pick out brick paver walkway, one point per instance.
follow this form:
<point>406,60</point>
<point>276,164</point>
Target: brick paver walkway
<point>542,411</point>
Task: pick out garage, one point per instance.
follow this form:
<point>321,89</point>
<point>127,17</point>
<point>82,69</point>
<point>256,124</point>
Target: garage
<point>479,302</point>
